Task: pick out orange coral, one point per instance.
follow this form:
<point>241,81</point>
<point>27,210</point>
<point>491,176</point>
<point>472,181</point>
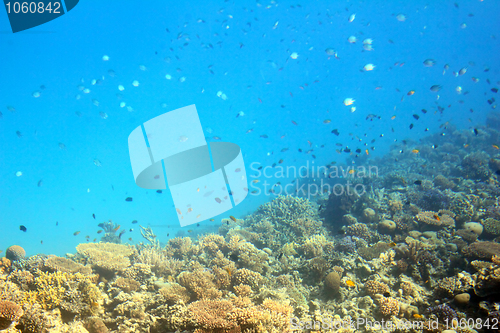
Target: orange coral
<point>4,265</point>
<point>9,312</point>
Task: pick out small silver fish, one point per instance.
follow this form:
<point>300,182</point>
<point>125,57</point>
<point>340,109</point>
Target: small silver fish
<point>97,162</point>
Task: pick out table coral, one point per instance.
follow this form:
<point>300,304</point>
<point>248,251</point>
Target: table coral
<point>109,257</point>
<point>54,263</point>
<point>435,219</point>
<point>482,250</point>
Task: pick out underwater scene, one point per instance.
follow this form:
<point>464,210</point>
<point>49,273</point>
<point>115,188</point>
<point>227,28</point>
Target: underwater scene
<point>250,166</point>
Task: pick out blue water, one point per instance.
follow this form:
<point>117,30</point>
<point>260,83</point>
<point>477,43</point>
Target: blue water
<point>251,63</point>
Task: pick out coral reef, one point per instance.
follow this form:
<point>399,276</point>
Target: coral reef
<point>421,244</point>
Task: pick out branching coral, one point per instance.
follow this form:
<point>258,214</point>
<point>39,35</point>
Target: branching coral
<point>376,287</point>
<point>201,283</point>
<point>284,219</point>
<point>50,288</point>
<point>182,248</point>
<point>173,293</point>
<point>239,313</point>
<point>160,262</point>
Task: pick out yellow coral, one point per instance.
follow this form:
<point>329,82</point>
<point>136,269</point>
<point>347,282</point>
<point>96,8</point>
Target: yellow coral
<point>50,289</point>
<point>107,256</point>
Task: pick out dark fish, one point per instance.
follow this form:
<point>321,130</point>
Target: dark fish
<point>358,150</point>
<point>424,111</point>
<point>40,183</point>
<point>347,150</point>
<point>336,132</point>
<point>436,88</point>
<point>495,90</point>
<point>264,136</point>
<point>476,132</point>
<point>23,228</point>
<point>159,191</point>
<point>284,150</point>
<point>416,116</point>
<point>293,122</point>
<point>57,223</point>
<point>372,116</point>
<point>411,126</point>
<point>497,172</point>
<point>259,168</point>
<point>93,215</point>
<point>418,182</point>
<point>129,199</point>
<point>280,256</point>
<point>134,221</point>
<point>19,134</point>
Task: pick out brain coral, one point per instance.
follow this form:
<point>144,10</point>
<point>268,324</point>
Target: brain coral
<point>108,256</point>
<point>9,312</point>
<point>332,282</point>
<point>15,252</point>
